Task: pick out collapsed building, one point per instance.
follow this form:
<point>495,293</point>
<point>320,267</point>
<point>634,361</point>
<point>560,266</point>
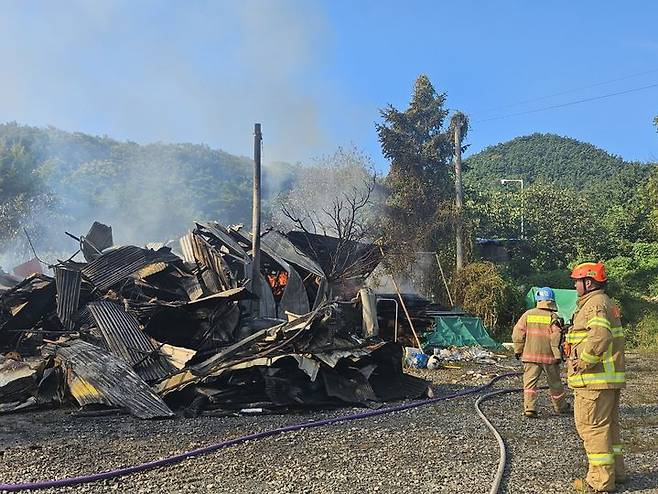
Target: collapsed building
<point>151,330</point>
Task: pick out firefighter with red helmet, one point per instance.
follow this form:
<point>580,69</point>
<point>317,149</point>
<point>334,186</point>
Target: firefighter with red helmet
<point>596,373</point>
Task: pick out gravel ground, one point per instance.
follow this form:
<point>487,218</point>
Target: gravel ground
<point>438,448</point>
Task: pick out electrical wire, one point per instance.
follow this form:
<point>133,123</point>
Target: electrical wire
<point>570,103</point>
<point>567,91</point>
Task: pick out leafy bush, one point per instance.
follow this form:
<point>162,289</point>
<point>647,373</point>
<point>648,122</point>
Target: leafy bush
<point>557,278</point>
<point>481,289</point>
<point>644,334</point>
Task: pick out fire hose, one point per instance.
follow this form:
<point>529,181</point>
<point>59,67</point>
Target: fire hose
<point>171,460</point>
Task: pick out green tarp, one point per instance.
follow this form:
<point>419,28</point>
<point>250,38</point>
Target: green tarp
<point>458,331</point>
<point>565,300</point>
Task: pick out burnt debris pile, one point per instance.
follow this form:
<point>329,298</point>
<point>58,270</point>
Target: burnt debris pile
<point>161,328</point>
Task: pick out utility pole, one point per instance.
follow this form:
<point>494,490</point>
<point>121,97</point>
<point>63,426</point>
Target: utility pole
<point>457,123</point>
<point>255,219</point>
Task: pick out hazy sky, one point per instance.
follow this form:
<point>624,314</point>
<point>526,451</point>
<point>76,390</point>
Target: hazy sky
<point>316,73</point>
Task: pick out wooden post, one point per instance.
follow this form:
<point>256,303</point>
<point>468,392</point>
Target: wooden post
<point>255,219</point>
<point>445,282</point>
<point>459,193</point>
<point>404,306</point>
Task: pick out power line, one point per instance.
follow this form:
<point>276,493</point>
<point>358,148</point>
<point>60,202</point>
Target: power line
<point>570,103</point>
<point>567,91</point>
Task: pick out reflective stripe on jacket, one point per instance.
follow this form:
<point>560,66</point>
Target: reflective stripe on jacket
<point>597,339</point>
<point>536,336</point>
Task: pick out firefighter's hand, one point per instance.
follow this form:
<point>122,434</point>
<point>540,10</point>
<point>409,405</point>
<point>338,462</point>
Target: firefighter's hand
<point>517,356</point>
<point>578,365</point>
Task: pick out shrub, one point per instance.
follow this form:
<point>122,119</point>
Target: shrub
<point>482,290</point>
<point>644,334</point>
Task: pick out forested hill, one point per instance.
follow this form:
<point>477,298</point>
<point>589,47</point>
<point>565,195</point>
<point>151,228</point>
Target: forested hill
<point>549,158</point>
<point>51,180</point>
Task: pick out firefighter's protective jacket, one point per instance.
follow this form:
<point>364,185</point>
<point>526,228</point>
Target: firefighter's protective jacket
<point>597,344</point>
<point>536,336</point>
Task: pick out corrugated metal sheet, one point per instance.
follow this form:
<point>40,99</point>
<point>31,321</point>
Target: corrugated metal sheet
<point>275,242</point>
<point>225,238</point>
<point>150,269</point>
<point>187,246</point>
<point>126,340</point>
<point>118,264</point>
<point>215,273</point>
<point>67,282</point>
<point>114,266</point>
<point>96,376</point>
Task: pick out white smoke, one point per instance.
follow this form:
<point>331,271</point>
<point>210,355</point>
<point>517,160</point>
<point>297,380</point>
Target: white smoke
<point>176,72</point>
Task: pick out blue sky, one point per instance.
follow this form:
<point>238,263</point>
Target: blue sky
<point>316,73</point>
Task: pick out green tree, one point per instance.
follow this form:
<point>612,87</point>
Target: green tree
<point>559,226</point>
<point>23,193</point>
<point>420,183</point>
<point>52,181</point>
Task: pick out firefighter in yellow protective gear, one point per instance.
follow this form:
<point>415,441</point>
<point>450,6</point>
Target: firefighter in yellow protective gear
<point>536,338</point>
<point>596,373</point>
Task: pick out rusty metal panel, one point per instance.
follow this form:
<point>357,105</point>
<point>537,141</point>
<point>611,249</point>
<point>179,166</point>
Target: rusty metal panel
<point>125,339</point>
<point>96,376</point>
<point>68,283</point>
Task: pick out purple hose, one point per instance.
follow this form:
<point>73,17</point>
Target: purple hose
<point>46,484</point>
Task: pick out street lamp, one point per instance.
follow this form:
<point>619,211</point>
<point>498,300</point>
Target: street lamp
<point>503,181</point>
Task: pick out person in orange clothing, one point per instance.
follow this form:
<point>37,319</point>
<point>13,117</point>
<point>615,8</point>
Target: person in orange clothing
<point>597,374</point>
<point>536,338</point>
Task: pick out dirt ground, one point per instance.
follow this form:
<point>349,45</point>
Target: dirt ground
<point>438,448</point>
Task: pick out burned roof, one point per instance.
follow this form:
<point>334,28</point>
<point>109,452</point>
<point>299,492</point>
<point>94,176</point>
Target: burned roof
<point>338,258</point>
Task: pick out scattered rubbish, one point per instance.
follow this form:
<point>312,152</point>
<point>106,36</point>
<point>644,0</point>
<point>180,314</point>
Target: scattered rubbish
<point>434,363</point>
<point>475,378</point>
<point>472,354</point>
<point>415,358</point>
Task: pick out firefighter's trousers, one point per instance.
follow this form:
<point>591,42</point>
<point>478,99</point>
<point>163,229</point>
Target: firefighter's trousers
<point>596,413</point>
<point>531,374</point>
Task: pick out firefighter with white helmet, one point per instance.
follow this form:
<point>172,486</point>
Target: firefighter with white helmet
<point>596,373</point>
<point>536,338</point>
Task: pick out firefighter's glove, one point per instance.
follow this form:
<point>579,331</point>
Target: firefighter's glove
<point>517,356</point>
